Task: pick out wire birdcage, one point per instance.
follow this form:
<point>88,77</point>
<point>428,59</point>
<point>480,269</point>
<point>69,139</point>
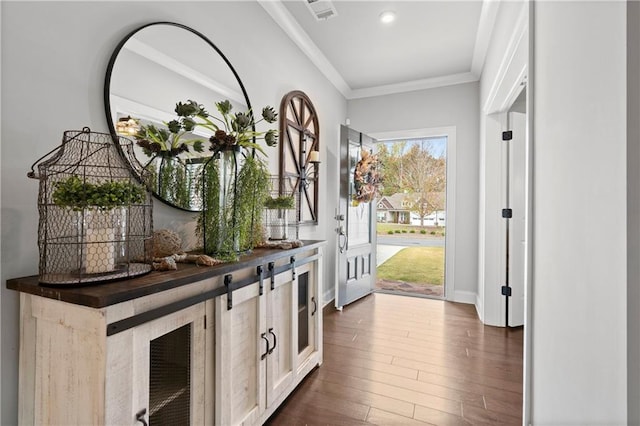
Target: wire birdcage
<point>280,212</point>
<point>95,215</point>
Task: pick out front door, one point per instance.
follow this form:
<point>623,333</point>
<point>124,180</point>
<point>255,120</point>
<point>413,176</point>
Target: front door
<point>356,224</point>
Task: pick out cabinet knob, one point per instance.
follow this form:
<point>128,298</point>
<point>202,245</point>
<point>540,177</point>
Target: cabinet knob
<point>140,417</point>
<point>315,305</point>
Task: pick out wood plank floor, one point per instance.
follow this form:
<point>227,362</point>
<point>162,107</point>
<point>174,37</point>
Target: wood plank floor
<point>394,360</point>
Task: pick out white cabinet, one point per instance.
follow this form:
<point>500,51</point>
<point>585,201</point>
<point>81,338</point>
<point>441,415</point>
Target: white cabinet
<point>176,348</point>
<point>283,319</point>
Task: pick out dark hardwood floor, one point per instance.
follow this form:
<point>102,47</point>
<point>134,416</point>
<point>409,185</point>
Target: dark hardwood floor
<point>394,360</point>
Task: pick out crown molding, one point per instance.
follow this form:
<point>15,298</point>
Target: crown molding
<point>488,16</point>
<point>410,86</point>
<point>290,26</point>
<point>140,48</point>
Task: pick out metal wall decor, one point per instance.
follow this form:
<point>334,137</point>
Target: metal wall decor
<point>95,215</point>
<point>280,211</point>
<point>299,153</point>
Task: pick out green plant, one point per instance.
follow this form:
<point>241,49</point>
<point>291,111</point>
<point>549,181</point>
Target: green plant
<point>397,231</point>
<point>404,231</point>
<point>390,232</point>
<point>432,232</point>
<point>251,188</point>
<point>412,231</point>
<point>239,220</point>
<point>228,130</point>
<point>281,202</point>
<point>423,231</point>
<point>77,194</point>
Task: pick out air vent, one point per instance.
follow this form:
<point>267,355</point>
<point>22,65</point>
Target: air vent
<point>322,9</point>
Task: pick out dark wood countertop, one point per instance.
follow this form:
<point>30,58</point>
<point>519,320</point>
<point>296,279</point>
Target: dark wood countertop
<point>103,295</point>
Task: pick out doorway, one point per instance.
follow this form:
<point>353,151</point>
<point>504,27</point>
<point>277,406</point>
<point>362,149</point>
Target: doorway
<point>412,217</point>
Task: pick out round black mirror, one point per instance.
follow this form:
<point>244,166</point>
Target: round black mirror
<point>152,69</point>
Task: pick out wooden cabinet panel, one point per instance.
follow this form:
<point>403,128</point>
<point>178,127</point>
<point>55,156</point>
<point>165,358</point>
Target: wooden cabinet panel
<point>280,324</point>
<point>239,369</point>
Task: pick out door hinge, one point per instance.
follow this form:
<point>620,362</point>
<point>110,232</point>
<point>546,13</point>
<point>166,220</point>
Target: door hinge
<point>507,136</point>
<point>507,213</point>
<point>506,290</point>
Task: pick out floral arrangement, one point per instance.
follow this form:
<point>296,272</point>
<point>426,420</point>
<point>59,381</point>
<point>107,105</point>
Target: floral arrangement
<point>229,130</point>
<point>367,178</point>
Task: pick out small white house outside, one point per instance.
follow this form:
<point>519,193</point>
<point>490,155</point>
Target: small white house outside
<point>397,208</point>
<point>437,218</point>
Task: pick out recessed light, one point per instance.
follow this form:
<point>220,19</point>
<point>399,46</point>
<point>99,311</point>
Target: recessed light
<point>387,17</point>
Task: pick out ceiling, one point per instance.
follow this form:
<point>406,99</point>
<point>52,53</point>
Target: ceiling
<point>430,44</point>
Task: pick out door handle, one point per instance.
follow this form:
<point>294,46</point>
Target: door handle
<point>342,242</point>
<point>140,417</point>
<point>264,355</point>
<point>275,342</point>
<point>315,306</point>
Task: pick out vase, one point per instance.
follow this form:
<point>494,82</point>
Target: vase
<point>220,233</point>
<point>278,224</point>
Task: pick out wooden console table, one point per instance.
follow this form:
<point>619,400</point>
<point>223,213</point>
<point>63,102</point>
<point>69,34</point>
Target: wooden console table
<point>201,345</point>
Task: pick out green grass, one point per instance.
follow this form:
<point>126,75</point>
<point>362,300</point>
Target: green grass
<point>419,265</point>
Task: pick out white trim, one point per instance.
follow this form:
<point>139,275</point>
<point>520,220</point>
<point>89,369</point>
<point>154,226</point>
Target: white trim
<point>479,307</point>
<point>463,296</point>
<point>290,26</point>
<point>142,49</point>
<point>527,386</point>
<point>328,297</point>
<point>486,23</point>
<point>450,132</point>
<point>512,48</point>
<point>410,86</point>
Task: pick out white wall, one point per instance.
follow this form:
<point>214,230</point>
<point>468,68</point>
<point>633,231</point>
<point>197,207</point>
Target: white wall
<point>451,106</point>
<point>633,211</point>
<point>579,318</point>
<point>54,57</point>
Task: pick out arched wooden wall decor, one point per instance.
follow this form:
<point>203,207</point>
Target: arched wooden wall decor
<point>299,137</point>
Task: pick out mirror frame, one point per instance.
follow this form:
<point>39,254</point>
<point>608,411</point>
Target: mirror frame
<point>107,90</point>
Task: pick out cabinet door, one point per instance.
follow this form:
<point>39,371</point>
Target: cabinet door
<point>240,384</point>
<point>168,368</point>
<point>306,311</point>
<point>280,330</point>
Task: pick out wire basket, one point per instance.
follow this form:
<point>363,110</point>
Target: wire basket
<point>280,212</point>
<point>95,215</point>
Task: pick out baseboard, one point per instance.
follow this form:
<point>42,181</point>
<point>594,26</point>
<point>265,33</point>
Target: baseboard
<point>479,307</point>
<point>461,296</point>
<point>328,297</point>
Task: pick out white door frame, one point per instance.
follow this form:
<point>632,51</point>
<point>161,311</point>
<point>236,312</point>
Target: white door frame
<point>515,71</point>
<point>450,133</point>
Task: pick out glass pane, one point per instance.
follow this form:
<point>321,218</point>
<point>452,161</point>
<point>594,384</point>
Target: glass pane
<point>169,378</point>
<point>303,311</point>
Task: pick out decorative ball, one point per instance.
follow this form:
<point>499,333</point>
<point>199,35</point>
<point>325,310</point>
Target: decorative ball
<point>166,242</point>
